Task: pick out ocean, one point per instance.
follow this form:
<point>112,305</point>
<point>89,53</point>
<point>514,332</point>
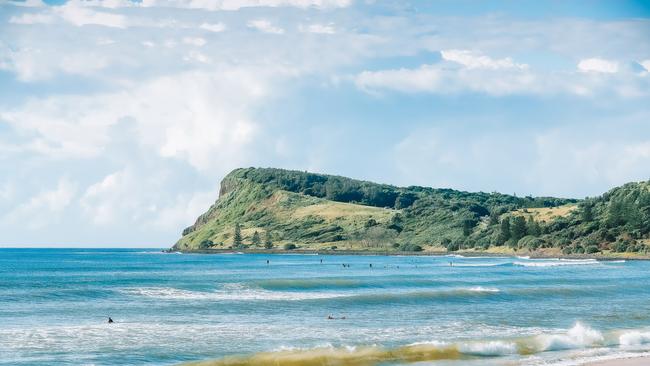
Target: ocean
<point>402,310</point>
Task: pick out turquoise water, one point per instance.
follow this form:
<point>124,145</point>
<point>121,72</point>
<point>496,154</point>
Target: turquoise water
<point>172,308</point>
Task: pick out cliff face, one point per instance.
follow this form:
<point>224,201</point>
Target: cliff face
<point>274,207</point>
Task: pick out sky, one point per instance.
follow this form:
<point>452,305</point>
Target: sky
<point>119,118</point>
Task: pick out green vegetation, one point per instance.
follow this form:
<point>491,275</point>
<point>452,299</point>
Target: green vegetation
<point>322,212</point>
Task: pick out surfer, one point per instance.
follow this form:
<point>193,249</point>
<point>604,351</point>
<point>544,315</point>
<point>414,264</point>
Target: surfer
<point>267,262</point>
<point>330,317</point>
<point>321,261</point>
<point>110,320</point>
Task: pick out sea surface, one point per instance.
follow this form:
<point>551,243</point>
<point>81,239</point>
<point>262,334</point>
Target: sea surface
<point>428,310</point>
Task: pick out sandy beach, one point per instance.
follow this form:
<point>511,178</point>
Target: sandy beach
<point>640,361</point>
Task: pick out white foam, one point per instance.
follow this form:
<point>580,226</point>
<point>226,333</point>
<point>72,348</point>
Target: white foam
<point>557,263</point>
<point>578,260</point>
<point>430,343</point>
<point>634,338</point>
<point>580,336</point>
<point>479,264</point>
<point>483,289</point>
<point>492,348</point>
<point>229,293</point>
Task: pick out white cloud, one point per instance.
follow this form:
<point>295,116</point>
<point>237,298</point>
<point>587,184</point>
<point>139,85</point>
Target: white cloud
<point>197,57</point>
<point>32,18</point>
<point>195,41</point>
<point>569,161</point>
<point>78,15</point>
<point>465,71</point>
<point>199,117</point>
<point>27,3</point>
<point>424,78</point>
<point>44,207</point>
<point>32,64</point>
<point>318,28</point>
<point>587,164</point>
<point>213,27</point>
<point>7,191</point>
<point>645,64</point>
<point>238,4</point>
<point>598,65</point>
<point>265,26</point>
<point>183,211</point>
<point>475,60</point>
<point>131,197</point>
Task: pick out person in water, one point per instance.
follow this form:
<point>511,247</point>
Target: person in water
<point>110,320</point>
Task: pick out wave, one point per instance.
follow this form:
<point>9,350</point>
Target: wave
<point>579,336</point>
<point>232,293</point>
<point>556,263</point>
<point>309,283</point>
<point>634,338</point>
<point>483,289</point>
<point>480,264</point>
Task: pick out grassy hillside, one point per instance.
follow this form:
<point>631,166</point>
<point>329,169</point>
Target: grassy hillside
<point>277,208</point>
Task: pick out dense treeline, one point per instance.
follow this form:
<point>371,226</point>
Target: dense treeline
<point>342,189</point>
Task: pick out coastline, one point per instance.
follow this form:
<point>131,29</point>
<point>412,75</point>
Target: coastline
<point>531,255</point>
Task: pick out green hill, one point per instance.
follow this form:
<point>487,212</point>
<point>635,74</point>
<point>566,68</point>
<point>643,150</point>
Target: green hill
<point>279,209</point>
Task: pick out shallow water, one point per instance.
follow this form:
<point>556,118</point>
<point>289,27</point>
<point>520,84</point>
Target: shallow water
<point>172,308</point>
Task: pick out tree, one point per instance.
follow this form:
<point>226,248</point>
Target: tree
<point>615,213</point>
<point>377,237</point>
<point>532,227</point>
<point>504,233</point>
<point>237,242</point>
<point>468,225</point>
<point>256,238</point>
<point>404,200</point>
<point>268,244</point>
<point>494,218</point>
<point>518,228</point>
<point>587,213</point>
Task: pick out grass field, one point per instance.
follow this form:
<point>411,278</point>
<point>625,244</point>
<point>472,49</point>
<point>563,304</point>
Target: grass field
<point>546,214</point>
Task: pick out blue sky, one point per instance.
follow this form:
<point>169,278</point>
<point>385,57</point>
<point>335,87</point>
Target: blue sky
<point>118,119</point>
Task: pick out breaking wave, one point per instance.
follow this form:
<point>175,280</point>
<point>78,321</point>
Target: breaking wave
<point>579,336</point>
<point>228,293</point>
<point>556,262</point>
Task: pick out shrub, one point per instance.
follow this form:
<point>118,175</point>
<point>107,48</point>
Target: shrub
<point>620,247</point>
<point>411,248</point>
<point>452,247</point>
<point>290,246</point>
<point>207,243</point>
<point>592,249</point>
<point>530,242</point>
